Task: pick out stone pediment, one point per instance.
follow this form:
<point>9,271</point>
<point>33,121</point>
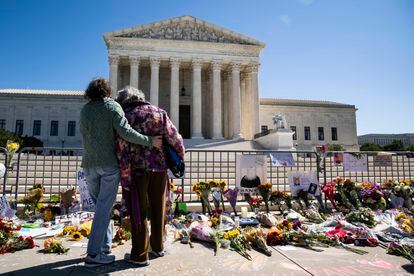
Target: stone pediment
<point>186,28</point>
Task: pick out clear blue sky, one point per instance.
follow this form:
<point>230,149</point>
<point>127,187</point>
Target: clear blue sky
<point>355,52</point>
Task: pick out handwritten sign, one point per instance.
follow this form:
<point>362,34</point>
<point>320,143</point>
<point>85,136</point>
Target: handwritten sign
<point>5,210</point>
<point>354,163</point>
<point>280,159</point>
<point>86,200</point>
<point>383,160</point>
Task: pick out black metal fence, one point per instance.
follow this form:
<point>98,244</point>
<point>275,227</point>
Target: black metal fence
<point>56,169</point>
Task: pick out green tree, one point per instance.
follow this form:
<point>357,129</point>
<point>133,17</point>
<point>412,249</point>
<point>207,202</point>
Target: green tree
<point>335,147</point>
<point>410,148</point>
<point>371,147</point>
<point>396,145</point>
<point>7,135</point>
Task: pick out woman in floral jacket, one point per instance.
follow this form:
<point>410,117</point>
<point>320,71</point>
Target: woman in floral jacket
<point>144,173</point>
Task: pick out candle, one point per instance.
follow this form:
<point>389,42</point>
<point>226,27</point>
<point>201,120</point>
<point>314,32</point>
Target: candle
<point>244,212</point>
<point>237,222</point>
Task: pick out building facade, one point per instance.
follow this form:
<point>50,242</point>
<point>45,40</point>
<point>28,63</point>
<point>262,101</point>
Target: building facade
<point>204,76</point>
<point>407,139</point>
<point>315,123</point>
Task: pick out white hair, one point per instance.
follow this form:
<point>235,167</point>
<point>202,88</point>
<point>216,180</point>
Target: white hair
<point>129,95</point>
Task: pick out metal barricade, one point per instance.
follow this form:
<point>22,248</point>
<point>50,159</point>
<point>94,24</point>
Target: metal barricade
<point>4,157</point>
<point>221,165</point>
<point>400,165</point>
<point>54,168</point>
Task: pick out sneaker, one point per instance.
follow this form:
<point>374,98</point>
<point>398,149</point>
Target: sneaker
<point>100,259</point>
<point>127,258</point>
<point>157,254</point>
<point>107,251</point>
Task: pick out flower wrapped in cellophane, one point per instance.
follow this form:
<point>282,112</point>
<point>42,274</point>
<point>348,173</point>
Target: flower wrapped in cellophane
<point>203,189</point>
<point>238,242</point>
<point>362,215</point>
<point>231,195</point>
<point>265,190</point>
<point>257,238</point>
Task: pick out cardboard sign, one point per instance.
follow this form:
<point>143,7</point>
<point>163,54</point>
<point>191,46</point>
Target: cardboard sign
<point>5,210</point>
<point>282,159</point>
<point>354,163</point>
<point>383,160</point>
<point>251,171</point>
<point>303,180</point>
<point>86,200</point>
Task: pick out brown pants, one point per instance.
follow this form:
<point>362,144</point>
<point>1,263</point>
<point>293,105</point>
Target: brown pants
<point>151,194</point>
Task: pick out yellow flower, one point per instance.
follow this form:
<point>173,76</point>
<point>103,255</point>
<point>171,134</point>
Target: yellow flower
<point>77,236</point>
<point>231,234</point>
<point>172,186</point>
<point>401,216</point>
<point>86,228</point>
<point>47,215</point>
<point>214,221</point>
<point>12,146</point>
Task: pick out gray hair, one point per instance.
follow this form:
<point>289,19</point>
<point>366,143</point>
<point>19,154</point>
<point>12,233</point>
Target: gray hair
<point>129,95</point>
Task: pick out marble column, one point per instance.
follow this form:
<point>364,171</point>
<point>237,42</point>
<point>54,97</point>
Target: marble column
<point>217,118</point>
<point>255,97</point>
<point>230,104</point>
<point>235,72</point>
<point>243,98</point>
<point>224,105</point>
<point>155,74</point>
<point>249,107</point>
<point>196,106</point>
<point>113,74</point>
<point>134,72</point>
<point>174,94</point>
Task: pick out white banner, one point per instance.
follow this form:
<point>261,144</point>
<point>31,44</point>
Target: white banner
<point>86,200</point>
<point>355,163</point>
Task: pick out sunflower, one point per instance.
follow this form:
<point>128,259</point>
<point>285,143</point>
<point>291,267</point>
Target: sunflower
<point>172,186</point>
<point>77,236</point>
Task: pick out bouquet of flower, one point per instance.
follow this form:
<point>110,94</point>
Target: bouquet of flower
<point>257,239</point>
<point>121,236</point>
<point>203,189</point>
<point>10,240</point>
<point>33,198</point>
<point>217,188</point>
<point>11,147</point>
<point>238,242</point>
<point>284,225</point>
<point>264,191</point>
<point>254,202</point>
<point>398,249</point>
<point>372,196</point>
<point>275,236</point>
<point>52,245</point>
<point>177,191</point>
<point>362,215</point>
<point>73,232</point>
<point>343,193</point>
<point>281,199</point>
<point>49,212</point>
<point>231,195</point>
<point>314,216</point>
<point>329,191</point>
<point>405,222</point>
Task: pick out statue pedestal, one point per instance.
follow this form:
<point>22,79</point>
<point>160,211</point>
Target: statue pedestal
<point>278,140</point>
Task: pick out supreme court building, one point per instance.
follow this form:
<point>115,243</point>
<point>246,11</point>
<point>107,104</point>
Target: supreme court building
<point>204,76</point>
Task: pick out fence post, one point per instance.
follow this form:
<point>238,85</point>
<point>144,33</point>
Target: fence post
<point>6,158</point>
<point>17,177</point>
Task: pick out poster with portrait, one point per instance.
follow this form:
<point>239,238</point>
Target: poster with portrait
<point>304,180</point>
<point>338,158</point>
<point>355,162</point>
<point>251,171</point>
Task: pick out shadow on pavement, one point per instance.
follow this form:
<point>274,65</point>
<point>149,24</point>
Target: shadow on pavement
<point>62,268</point>
<point>408,267</point>
<point>73,267</point>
